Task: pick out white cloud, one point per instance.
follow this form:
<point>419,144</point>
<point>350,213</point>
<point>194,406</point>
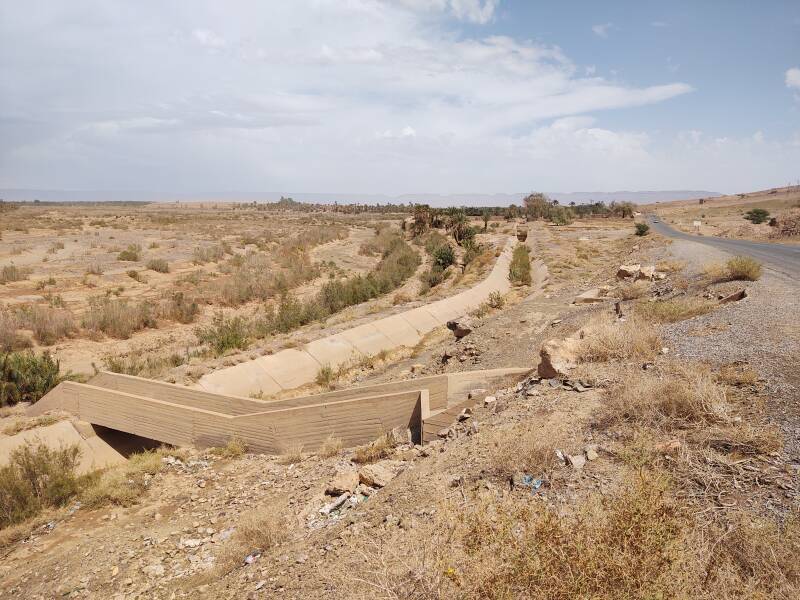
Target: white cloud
<point>602,29</point>
<point>324,95</point>
<point>208,38</point>
<point>793,78</point>
<point>475,11</point>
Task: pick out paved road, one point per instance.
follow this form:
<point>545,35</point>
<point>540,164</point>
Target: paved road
<point>784,259</point>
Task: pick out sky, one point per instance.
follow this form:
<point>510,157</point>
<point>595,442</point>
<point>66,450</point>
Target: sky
<point>399,96</point>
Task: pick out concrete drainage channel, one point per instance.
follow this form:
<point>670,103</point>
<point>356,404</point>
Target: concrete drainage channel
<point>292,368</point>
<point>219,411</point>
<point>181,416</point>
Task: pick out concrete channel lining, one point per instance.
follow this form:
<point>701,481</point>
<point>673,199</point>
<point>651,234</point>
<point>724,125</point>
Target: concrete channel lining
<point>292,368</point>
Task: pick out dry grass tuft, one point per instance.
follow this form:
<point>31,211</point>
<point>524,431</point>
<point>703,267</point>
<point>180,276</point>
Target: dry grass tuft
<point>674,309</point>
<point>523,449</point>
<point>292,454</point>
<point>684,396</point>
<point>671,266</point>
<point>737,375</point>
<point>608,339</point>
<point>634,290</point>
<point>26,424</point>
<point>744,268</point>
<point>233,449</point>
<point>375,451</point>
<point>330,447</point>
<point>256,532</point>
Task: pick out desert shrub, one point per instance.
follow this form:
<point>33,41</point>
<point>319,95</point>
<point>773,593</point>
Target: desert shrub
<point>330,447</point>
<point>48,324</point>
<point>139,365</point>
<point>10,337</point>
<point>136,276</point>
<point>381,448</point>
<point>94,269</point>
<point>519,271</point>
<point>225,333</point>
<point>496,300</point>
<point>261,530</point>
<point>325,376</point>
<point>431,240</point>
<point>674,309</point>
<point>642,229</point>
<point>233,449</point>
<point>525,450</point>
<point>443,256</point>
<point>55,247</point>
<point>179,307</point>
<point>37,477</point>
<point>608,339</point>
<point>118,318</point>
<point>685,396</point>
<point>743,268</point>
<point>158,264</point>
<point>26,377</point>
<point>130,254</point>
<point>205,254</point>
<point>756,215</point>
<point>432,277</point>
<point>11,273</point>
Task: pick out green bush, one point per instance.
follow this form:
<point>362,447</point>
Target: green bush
<point>118,318</point>
<point>35,478</point>
<point>642,229</point>
<point>433,277</point>
<point>225,333</point>
<point>26,377</point>
<point>443,256</point>
<point>519,271</point>
<point>756,215</point>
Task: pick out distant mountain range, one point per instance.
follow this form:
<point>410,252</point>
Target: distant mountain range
<point>438,200</point>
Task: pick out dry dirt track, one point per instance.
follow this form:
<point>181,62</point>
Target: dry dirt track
<point>780,258</point>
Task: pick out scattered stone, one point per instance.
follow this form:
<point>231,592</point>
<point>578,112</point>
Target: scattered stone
<point>558,357</point>
<point>344,481</point>
<point>592,296</point>
<point>378,475</point>
<point>456,481</point>
<point>477,393</point>
<point>735,297</point>
<point>465,414</point>
<point>154,570</point>
<point>329,508</point>
<point>591,453</point>
<point>646,273</point>
<point>417,367</point>
<point>489,400</point>
<point>460,327</point>
<point>576,461</point>
<point>626,271</point>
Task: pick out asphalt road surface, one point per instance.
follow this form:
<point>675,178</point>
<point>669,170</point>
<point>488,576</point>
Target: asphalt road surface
<point>784,259</point>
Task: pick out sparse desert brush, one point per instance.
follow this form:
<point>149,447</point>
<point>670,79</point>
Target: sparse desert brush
<point>634,290</point>
<point>179,307</point>
<point>741,439</point>
<point>49,324</point>
<point>376,450</point>
<point>400,298</point>
<point>94,269</point>
<point>631,544</point>
<point>675,309</point>
<point>11,273</point>
<point>138,364</point>
<point>496,300</point>
<point>325,376</point>
<point>225,333</point>
<point>330,447</point>
<point>33,423</point>
<point>158,264</point>
<point>26,377</point>
<point>131,253</point>
<point>10,337</point>
<point>519,271</point>
<point>683,396</point>
<point>136,276</point>
<point>671,266</point>
<point>522,450</point>
<point>743,268</point>
<point>609,339</point>
<point>233,449</point>
<point>261,530</point>
<point>37,477</point>
<point>738,375</point>
<point>292,454</point>
<point>118,318</point>
<point>205,254</point>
